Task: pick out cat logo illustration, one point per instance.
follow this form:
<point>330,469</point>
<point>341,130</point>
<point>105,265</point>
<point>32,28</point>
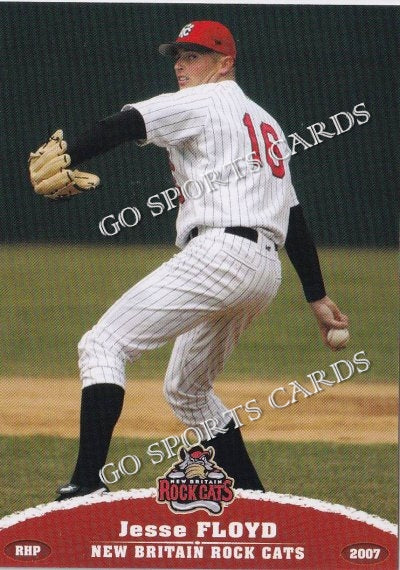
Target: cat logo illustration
<point>196,482</point>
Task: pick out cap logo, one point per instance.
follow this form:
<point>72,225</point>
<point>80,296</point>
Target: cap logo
<point>185,31</point>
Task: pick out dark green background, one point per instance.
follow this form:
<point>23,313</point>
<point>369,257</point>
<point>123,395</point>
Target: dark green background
<point>67,65</point>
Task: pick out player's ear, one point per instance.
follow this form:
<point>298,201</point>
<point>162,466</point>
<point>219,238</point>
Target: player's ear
<point>226,64</point>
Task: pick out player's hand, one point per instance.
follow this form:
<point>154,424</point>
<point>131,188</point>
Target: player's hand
<point>328,317</point>
<point>49,173</point>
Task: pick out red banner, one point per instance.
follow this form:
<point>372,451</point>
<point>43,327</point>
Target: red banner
<point>257,530</point>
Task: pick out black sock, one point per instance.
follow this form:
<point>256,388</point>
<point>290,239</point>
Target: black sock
<point>101,406</point>
<point>232,456</point>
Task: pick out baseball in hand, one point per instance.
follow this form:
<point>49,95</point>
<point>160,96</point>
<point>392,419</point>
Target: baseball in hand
<point>338,338</point>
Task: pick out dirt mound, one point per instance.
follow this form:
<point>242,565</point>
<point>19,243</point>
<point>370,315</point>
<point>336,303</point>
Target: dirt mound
<point>347,413</point>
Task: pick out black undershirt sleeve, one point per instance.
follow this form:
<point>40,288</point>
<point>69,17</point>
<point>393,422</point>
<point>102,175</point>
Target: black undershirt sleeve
<point>303,255</point>
<point>107,134</point>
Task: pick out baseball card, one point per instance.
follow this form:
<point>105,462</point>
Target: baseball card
<point>198,286</point>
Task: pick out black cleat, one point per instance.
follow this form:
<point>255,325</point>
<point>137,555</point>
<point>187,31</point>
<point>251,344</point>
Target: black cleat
<point>71,490</point>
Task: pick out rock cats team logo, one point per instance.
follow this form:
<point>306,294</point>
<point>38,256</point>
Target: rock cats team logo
<point>195,482</point>
<point>185,31</point>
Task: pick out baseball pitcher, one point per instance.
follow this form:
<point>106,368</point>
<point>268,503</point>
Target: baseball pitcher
<point>238,208</point>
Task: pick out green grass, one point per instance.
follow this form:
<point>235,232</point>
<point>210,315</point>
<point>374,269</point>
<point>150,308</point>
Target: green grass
<point>51,294</point>
<point>360,476</point>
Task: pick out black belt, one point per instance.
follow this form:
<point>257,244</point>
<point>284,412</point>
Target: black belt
<point>248,233</point>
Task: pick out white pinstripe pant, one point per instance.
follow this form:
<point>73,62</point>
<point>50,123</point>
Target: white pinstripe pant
<point>206,296</point>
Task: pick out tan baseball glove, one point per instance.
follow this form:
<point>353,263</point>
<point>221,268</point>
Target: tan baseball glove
<point>195,470</point>
<point>49,173</point>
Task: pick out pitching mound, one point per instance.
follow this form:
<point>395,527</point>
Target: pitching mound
<point>256,530</point>
<point>346,413</point>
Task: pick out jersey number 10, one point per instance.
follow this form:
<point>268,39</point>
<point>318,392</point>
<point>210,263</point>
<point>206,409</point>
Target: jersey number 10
<point>271,147</point>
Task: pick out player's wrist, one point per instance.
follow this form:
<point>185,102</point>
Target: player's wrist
<point>314,293</point>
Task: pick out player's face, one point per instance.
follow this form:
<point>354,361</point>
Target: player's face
<point>193,68</point>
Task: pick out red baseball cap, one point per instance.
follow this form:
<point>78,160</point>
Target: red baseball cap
<point>199,454</point>
<point>205,33</point>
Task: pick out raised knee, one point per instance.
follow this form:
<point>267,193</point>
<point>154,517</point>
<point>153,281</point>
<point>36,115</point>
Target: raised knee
<point>177,399</point>
<point>84,341</point>
<point>169,393</point>
<point>183,404</point>
<point>97,340</point>
<point>100,360</point>
<point>96,348</point>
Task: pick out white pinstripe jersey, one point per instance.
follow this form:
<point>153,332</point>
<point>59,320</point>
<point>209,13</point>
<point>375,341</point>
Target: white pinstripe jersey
<point>214,133</point>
